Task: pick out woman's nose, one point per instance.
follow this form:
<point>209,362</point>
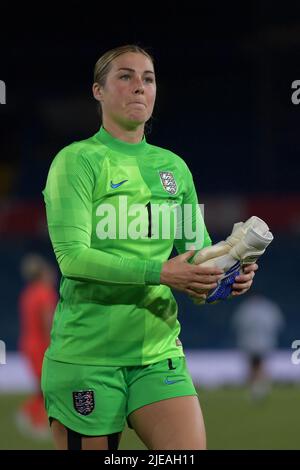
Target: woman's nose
<point>138,86</point>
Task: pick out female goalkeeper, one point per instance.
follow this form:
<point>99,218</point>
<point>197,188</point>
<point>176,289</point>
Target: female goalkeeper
<point>115,206</point>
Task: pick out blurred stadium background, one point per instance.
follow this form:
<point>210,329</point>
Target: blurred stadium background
<point>224,104</point>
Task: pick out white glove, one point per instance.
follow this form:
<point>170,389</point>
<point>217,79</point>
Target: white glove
<point>238,232</point>
<point>245,245</point>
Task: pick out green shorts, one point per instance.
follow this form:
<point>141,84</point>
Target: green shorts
<point>97,400</point>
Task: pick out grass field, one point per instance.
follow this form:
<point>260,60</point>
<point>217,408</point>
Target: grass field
<point>232,421</point>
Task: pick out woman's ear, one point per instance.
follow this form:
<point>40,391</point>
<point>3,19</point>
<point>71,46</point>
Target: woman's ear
<point>97,92</point>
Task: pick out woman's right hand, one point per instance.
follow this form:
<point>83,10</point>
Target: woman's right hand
<point>193,279</point>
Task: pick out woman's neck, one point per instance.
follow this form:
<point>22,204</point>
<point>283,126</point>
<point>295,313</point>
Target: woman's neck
<point>132,136</point>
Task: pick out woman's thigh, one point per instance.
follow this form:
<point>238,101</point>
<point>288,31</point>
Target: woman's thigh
<point>89,400</point>
<point>163,406</point>
<point>65,439</point>
<point>175,423</point>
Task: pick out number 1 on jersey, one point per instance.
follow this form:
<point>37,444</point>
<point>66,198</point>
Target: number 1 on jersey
<point>149,219</point>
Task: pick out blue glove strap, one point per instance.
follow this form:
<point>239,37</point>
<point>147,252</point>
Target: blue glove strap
<point>224,288</point>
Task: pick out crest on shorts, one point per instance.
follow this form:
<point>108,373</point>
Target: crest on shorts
<point>84,402</point>
<point>168,181</point>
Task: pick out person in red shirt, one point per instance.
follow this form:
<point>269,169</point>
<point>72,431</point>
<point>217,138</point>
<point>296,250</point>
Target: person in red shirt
<point>37,302</point>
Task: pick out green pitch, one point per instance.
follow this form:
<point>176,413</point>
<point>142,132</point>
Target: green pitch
<point>233,421</point>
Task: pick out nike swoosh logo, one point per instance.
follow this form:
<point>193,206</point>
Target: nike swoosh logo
<point>170,382</point>
<point>116,185</point>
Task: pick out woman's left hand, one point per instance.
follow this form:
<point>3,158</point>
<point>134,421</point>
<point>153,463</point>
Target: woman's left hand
<point>244,281</point>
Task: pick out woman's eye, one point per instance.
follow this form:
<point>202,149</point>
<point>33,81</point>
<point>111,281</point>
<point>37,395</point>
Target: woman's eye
<point>125,76</point>
<point>149,80</point>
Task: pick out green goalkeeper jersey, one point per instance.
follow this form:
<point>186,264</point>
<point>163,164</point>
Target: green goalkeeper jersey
<point>114,211</point>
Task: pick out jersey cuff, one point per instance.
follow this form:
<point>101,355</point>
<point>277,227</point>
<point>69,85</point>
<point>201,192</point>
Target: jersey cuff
<point>152,274</point>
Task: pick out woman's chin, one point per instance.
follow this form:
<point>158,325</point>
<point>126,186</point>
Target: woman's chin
<point>138,115</point>
<point>134,122</point>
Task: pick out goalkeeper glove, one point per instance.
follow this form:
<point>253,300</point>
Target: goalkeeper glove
<point>245,245</point>
<point>238,232</point>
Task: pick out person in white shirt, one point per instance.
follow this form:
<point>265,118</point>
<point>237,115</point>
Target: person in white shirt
<point>257,323</point>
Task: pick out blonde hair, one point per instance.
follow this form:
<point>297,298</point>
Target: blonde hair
<point>103,64</point>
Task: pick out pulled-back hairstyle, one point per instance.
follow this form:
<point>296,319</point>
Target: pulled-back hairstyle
<point>103,64</point>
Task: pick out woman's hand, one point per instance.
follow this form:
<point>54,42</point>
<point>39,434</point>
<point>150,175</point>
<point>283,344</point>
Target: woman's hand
<point>195,280</point>
<point>243,282</point>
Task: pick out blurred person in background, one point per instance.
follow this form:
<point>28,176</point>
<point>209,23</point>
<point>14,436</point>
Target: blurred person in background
<point>257,322</point>
<point>37,303</point>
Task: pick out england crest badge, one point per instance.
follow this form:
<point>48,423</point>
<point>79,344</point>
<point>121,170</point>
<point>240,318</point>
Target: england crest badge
<point>84,402</point>
<point>168,182</point>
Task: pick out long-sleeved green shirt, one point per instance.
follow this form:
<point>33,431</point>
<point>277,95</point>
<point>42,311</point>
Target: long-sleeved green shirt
<point>114,212</point>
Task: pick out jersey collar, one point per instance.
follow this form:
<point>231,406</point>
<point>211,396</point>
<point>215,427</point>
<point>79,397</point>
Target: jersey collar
<point>119,145</point>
